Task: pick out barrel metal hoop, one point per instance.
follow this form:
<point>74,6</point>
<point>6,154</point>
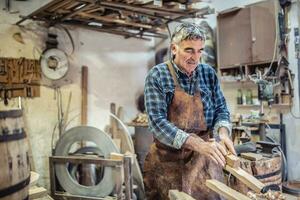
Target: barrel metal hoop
<point>11,114</point>
<point>268,175</point>
<point>12,137</point>
<point>14,188</point>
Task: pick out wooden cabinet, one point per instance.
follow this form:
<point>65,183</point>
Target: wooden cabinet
<point>247,35</point>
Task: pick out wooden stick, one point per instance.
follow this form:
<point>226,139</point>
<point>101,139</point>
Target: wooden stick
<point>233,161</point>
<point>84,88</point>
<point>246,178</point>
<point>224,190</point>
<point>113,122</point>
<point>34,177</point>
<point>251,156</point>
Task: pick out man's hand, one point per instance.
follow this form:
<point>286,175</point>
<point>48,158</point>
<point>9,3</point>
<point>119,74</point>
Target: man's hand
<point>213,150</point>
<point>223,133</point>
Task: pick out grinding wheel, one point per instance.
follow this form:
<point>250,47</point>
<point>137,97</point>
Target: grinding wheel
<point>105,145</point>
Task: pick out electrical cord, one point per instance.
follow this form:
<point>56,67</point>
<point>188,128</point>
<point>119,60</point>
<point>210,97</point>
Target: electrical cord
<point>284,161</point>
<point>69,35</point>
<point>293,115</point>
<point>274,52</point>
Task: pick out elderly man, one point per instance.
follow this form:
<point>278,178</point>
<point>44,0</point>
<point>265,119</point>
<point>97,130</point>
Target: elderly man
<point>185,107</point>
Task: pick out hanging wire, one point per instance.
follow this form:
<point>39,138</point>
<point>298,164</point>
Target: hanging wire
<point>292,113</point>
<point>274,52</point>
<point>69,36</point>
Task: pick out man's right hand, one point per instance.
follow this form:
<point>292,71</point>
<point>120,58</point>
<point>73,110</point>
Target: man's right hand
<point>211,149</point>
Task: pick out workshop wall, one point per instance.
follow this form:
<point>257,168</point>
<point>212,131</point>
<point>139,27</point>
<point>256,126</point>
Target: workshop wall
<point>116,71</point>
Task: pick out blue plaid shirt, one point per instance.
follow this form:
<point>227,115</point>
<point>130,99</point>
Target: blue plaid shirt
<point>159,91</point>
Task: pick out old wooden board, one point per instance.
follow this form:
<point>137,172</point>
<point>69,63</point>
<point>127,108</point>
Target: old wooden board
<point>34,177</point>
<point>246,178</point>
<point>224,190</point>
<point>251,156</point>
<point>232,160</point>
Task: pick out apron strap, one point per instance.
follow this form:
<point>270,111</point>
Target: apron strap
<point>172,71</point>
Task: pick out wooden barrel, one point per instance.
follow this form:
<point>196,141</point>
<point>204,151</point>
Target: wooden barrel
<point>267,170</point>
<point>14,160</point>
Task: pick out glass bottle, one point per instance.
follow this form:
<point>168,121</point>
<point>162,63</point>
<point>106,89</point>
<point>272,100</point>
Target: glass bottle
<point>249,97</point>
<point>239,97</point>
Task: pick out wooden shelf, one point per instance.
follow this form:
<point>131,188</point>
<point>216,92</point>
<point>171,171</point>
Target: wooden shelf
<point>275,106</point>
<point>245,81</point>
<point>142,19</point>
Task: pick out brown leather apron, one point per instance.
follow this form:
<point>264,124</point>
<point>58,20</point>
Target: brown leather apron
<point>167,168</point>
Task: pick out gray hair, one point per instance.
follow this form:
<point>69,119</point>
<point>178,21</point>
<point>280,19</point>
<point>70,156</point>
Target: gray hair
<point>187,31</point>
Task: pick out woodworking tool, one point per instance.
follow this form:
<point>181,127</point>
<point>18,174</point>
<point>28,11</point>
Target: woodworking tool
<point>106,146</point>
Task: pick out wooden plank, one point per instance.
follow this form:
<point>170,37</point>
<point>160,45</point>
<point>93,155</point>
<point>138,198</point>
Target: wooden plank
<point>140,8</point>
<point>38,11</point>
<point>76,11</point>
<point>137,175</point>
<point>177,195</point>
<point>84,87</point>
<point>113,122</point>
<point>37,192</point>
<point>128,176</point>
<point>246,178</point>
<point>117,21</point>
<point>252,156</point>
<point>116,156</point>
<point>86,160</point>
<point>224,190</point>
<point>107,30</point>
<point>34,177</point>
<point>58,5</point>
<point>233,161</point>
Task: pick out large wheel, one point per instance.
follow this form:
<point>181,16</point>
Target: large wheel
<point>103,143</point>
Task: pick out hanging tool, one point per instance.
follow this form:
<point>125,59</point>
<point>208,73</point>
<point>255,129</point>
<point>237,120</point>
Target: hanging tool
<point>286,77</point>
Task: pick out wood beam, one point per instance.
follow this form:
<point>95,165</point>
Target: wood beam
<point>225,191</point>
<point>112,20</point>
<point>252,156</point>
<point>39,10</point>
<point>128,10</point>
<point>77,11</point>
<point>140,8</point>
<point>249,180</point>
<point>232,160</point>
<point>84,90</point>
<point>116,32</point>
<point>58,5</point>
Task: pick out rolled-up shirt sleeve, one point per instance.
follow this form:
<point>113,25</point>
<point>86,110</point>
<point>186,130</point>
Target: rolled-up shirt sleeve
<point>222,115</point>
<point>156,107</point>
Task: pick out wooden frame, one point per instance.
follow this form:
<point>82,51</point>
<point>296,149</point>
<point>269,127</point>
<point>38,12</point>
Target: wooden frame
<point>117,164</point>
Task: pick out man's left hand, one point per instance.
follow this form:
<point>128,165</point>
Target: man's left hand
<point>223,133</point>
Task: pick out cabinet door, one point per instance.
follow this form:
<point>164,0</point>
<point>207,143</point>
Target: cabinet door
<point>263,28</point>
<point>234,38</point>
